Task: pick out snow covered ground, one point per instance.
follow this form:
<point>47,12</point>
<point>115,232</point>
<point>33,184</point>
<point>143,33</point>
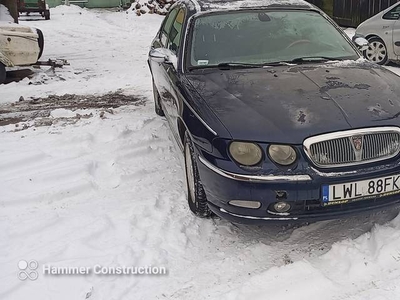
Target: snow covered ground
<point>105,187</point>
<point>106,52</point>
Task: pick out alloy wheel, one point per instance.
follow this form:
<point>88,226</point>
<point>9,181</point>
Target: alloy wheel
<point>376,52</point>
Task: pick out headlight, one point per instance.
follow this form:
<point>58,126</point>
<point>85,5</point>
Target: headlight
<point>247,154</point>
<point>283,155</point>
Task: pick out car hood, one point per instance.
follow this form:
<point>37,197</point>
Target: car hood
<point>288,104</point>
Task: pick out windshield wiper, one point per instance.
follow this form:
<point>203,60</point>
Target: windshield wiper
<point>312,59</point>
<point>234,65</point>
<point>228,66</point>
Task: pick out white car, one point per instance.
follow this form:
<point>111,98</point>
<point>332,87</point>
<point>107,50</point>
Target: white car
<point>19,45</point>
<point>383,33</point>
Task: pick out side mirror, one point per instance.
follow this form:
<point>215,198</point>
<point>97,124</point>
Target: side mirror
<point>361,43</point>
<point>160,55</point>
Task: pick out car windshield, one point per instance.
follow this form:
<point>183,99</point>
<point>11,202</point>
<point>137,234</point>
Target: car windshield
<point>262,37</point>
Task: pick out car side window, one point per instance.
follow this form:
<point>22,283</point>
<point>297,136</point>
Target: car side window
<point>175,33</point>
<point>167,26</point>
<point>394,14</point>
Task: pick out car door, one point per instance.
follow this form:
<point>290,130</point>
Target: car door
<point>159,69</point>
<point>165,73</point>
<point>393,15</point>
<point>396,36</point>
<point>174,104</point>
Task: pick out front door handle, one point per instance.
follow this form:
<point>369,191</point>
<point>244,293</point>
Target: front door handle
<point>397,44</point>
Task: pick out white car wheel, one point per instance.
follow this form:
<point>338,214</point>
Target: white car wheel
<point>377,51</point>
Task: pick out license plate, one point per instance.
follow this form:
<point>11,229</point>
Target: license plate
<point>360,190</point>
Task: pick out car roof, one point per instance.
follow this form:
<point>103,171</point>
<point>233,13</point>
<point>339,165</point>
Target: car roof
<point>216,5</point>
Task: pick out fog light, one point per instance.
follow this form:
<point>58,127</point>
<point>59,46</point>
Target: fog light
<point>245,204</point>
<point>282,207</point>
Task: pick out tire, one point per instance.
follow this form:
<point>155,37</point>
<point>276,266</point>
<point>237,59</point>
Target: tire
<point>47,14</point>
<point>2,73</point>
<point>197,199</point>
<point>377,51</point>
<point>40,42</point>
<point>157,105</point>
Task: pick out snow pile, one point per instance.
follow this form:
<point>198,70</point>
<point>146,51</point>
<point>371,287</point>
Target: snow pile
<point>161,7</point>
<point>228,4</point>
<point>141,7</point>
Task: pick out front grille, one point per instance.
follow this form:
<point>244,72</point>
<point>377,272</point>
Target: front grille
<point>353,147</point>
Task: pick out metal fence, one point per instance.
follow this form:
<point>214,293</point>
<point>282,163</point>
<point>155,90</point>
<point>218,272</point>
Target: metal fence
<point>352,12</point>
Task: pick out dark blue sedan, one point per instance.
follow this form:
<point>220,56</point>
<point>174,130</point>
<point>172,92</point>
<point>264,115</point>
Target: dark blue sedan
<point>278,115</point>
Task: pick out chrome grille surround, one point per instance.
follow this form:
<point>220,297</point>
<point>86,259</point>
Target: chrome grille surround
<point>353,147</point>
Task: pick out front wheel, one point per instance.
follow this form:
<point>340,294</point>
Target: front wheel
<point>47,14</point>
<point>2,73</point>
<point>40,42</point>
<point>377,51</point>
<point>196,195</point>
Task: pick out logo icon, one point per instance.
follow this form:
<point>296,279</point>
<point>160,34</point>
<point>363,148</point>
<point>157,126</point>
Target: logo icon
<point>28,270</point>
<point>357,142</point>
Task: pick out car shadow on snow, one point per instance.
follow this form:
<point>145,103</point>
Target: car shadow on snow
<point>18,75</point>
<point>298,241</point>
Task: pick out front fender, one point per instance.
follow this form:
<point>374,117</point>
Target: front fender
<point>197,130</point>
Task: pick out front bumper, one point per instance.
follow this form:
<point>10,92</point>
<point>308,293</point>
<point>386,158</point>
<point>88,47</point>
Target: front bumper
<point>303,192</point>
<point>249,219</point>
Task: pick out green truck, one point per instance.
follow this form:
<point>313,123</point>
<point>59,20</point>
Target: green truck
<point>34,6</point>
